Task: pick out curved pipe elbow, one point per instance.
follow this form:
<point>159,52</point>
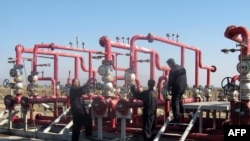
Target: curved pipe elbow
<point>211,68</point>
<point>84,68</point>
<point>232,32</point>
<point>158,65</point>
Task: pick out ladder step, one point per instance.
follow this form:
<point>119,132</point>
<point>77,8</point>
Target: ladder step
<point>171,134</point>
<point>60,124</point>
<point>183,124</point>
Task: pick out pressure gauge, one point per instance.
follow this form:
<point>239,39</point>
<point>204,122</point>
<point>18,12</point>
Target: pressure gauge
<point>243,67</point>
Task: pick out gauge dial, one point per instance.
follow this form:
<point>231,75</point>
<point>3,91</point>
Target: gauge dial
<point>243,67</point>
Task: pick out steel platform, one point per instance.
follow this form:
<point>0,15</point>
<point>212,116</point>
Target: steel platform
<point>213,106</point>
<point>210,105</point>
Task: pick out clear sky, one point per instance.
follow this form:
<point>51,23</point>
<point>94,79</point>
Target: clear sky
<point>199,23</point>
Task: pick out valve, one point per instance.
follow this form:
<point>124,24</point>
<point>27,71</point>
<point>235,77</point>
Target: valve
<point>129,75</point>
<point>32,78</point>
<point>6,83</point>
<point>25,103</point>
<point>99,86</point>
<point>197,90</point>
<point>123,107</point>
<point>9,101</point>
<point>33,88</point>
<point>99,106</point>
<point>108,86</point>
<point>208,90</point>
<point>228,86</point>
<point>240,111</point>
<point>14,72</point>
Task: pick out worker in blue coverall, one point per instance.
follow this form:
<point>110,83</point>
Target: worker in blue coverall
<point>149,115</point>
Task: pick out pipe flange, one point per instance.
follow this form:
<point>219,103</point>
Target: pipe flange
<point>108,62</point>
<point>9,101</point>
<point>99,106</point>
<point>32,78</point>
<point>25,102</point>
<point>15,72</point>
<point>18,79</point>
<point>123,107</point>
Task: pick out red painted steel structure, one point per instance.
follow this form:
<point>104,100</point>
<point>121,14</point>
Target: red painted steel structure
<point>54,98</point>
<point>111,103</point>
<point>241,35</point>
<point>150,37</point>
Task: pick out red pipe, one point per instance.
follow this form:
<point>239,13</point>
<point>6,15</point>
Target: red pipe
<point>105,42</point>
<point>21,50</point>
<point>52,46</point>
<point>235,78</point>
<point>155,59</point>
<point>76,56</point>
<point>159,86</point>
<point>232,32</point>
<point>151,37</point>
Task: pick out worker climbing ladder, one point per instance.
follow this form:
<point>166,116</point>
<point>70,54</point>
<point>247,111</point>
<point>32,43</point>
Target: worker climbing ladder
<point>182,136</point>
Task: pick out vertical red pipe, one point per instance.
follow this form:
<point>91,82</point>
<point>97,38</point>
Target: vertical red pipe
<point>197,73</point>
<point>56,73</point>
<point>107,44</point>
<point>76,67</point>
<point>159,86</point>
<point>182,56</point>
<point>90,64</point>
<point>151,37</point>
<point>19,50</point>
<point>152,65</point>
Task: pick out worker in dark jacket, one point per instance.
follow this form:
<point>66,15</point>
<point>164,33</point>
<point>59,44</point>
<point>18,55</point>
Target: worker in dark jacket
<point>78,110</point>
<point>149,99</point>
<point>177,85</point>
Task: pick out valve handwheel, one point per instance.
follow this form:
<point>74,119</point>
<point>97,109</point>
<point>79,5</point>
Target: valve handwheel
<point>229,86</point>
<point>91,83</point>
<point>6,83</point>
<point>123,107</point>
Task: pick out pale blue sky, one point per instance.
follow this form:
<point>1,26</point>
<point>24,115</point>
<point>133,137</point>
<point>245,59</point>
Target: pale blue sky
<point>199,23</point>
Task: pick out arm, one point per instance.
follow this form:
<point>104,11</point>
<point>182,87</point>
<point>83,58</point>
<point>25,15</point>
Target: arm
<point>136,93</point>
<point>77,92</point>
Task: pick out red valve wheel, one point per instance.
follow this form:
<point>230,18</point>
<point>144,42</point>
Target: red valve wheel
<point>9,101</point>
<point>99,106</point>
<point>123,107</point>
<point>25,102</point>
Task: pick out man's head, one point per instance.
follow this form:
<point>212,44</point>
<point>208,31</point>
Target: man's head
<point>75,82</point>
<point>151,83</point>
<point>170,62</point>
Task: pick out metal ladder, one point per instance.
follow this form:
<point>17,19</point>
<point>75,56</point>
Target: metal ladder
<point>56,121</point>
<point>182,136</point>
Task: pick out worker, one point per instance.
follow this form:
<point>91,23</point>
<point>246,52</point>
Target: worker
<point>79,111</point>
<point>149,116</point>
<point>177,85</point>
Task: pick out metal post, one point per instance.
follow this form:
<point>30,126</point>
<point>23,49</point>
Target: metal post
<point>25,121</point>
<point>10,119</point>
<point>99,119</point>
<point>123,129</point>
